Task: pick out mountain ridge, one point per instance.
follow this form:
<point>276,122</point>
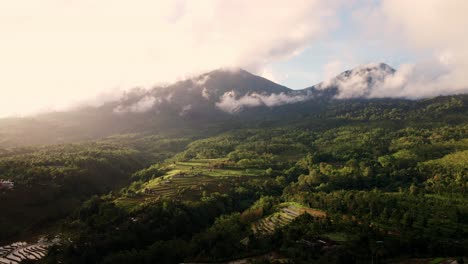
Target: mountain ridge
<point>216,87</point>
<point>207,101</point>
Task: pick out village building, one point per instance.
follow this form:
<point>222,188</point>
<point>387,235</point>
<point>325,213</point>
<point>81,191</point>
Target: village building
<point>6,185</point>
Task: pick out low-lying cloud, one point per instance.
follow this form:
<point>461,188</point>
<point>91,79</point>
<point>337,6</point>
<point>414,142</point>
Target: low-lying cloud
<point>185,110</point>
<point>434,30</point>
<point>411,81</point>
<point>231,103</point>
<point>416,81</point>
<point>57,53</point>
<point>143,105</point>
<point>362,81</point>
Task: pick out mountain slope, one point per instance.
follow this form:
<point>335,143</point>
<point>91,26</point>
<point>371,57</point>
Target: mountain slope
<point>355,83</point>
<point>199,94</point>
<point>219,99</point>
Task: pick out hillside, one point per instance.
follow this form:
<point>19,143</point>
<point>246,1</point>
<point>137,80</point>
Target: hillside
<point>217,96</point>
<point>306,192</point>
<point>257,172</point>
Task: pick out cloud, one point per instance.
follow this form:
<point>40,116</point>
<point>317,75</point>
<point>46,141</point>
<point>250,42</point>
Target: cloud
<point>58,53</point>
<point>363,81</point>
<point>332,69</point>
<point>169,97</point>
<point>185,110</point>
<point>201,80</point>
<point>269,74</point>
<point>205,93</point>
<point>432,29</point>
<point>419,81</point>
<point>231,103</point>
<point>143,105</point>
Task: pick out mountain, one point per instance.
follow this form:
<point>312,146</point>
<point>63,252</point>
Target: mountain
<point>199,94</point>
<point>198,172</point>
<point>231,97</point>
<point>234,91</point>
<point>188,103</point>
<point>355,83</point>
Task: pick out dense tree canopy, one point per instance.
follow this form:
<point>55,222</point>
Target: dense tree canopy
<point>389,178</point>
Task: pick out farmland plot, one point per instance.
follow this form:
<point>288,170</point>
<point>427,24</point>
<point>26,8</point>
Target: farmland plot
<point>283,217</point>
<point>19,251</point>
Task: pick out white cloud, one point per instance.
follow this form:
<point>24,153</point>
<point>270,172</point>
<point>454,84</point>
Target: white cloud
<point>185,110</point>
<point>201,81</point>
<point>332,69</point>
<point>169,97</point>
<point>362,81</point>
<point>143,105</point>
<point>231,103</point>
<point>56,53</point>
<point>433,27</point>
<point>205,93</point>
<point>268,73</point>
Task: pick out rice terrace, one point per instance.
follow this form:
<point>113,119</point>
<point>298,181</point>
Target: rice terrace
<point>285,215</point>
<point>189,180</point>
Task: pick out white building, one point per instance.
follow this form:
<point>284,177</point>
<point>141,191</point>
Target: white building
<point>6,184</point>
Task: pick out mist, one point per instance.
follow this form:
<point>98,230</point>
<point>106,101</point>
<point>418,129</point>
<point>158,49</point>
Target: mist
<point>57,54</point>
<point>436,31</point>
<point>230,102</point>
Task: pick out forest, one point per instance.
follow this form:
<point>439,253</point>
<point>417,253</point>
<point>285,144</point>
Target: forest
<point>357,182</point>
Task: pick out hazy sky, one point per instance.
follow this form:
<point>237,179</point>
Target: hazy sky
<point>58,53</point>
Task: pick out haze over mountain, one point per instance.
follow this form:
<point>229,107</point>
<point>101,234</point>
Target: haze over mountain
<point>216,96</point>
<point>49,63</point>
<point>221,131</point>
<point>234,90</point>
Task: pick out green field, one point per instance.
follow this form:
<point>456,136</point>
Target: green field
<point>189,181</point>
<point>285,215</point>
<point>212,167</point>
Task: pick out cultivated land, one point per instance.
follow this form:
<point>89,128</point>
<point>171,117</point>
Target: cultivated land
<point>191,180</point>
<point>20,251</point>
<point>286,214</point>
<point>208,186</point>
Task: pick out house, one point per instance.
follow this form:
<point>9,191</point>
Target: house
<point>6,185</point>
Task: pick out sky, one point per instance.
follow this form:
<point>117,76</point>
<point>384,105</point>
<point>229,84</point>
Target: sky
<point>57,54</point>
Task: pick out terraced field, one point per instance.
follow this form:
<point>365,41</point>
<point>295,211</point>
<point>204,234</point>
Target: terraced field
<point>19,251</point>
<point>214,168</point>
<point>190,180</point>
<point>283,217</point>
<point>186,186</point>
